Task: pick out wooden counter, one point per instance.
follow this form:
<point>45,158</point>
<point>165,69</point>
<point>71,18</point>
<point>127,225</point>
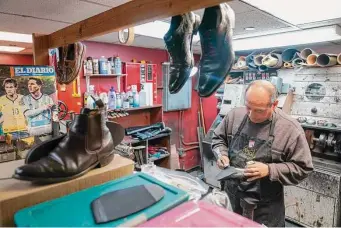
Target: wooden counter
<point>16,194</point>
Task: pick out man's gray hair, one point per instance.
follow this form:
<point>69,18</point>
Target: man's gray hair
<point>268,86</point>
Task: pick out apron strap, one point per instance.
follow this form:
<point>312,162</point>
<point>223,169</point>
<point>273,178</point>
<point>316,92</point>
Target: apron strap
<point>272,126</point>
<point>241,126</point>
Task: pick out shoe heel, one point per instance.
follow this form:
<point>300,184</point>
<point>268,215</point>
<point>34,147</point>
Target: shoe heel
<point>106,160</point>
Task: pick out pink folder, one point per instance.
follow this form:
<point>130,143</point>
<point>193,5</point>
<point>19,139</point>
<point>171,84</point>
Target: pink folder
<point>199,214</point>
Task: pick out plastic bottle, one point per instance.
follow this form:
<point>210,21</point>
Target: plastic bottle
<point>136,98</point>
<point>104,98</point>
<point>89,66</point>
<point>90,103</point>
<point>118,65</point>
<point>143,96</point>
<point>112,99</point>
<point>129,98</point>
<point>123,96</point>
<point>103,65</point>
<point>118,101</point>
<point>112,65</point>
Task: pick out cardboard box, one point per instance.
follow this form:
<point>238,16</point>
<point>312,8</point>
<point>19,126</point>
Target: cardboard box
<point>15,194</point>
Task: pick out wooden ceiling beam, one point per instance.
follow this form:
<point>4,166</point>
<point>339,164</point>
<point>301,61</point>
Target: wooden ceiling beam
<point>124,16</point>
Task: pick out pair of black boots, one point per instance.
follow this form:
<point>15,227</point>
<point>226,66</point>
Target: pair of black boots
<point>215,30</point>
<point>89,143</point>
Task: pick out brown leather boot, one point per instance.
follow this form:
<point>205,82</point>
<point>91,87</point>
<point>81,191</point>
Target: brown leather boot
<point>70,62</point>
<point>87,145</point>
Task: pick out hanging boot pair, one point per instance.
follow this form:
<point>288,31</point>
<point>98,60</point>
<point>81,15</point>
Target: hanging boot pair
<point>217,57</point>
<point>70,62</point>
<point>89,143</point>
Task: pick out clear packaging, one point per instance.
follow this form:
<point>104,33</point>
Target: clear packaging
<point>182,180</point>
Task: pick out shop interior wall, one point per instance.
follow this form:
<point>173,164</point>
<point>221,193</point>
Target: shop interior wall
<point>95,49</point>
<point>13,59</point>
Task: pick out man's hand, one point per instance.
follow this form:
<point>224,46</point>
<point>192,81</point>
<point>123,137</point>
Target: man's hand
<point>223,161</point>
<point>256,171</point>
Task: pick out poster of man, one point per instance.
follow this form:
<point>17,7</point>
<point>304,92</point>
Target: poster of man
<point>27,95</point>
<point>11,107</point>
<point>37,108</point>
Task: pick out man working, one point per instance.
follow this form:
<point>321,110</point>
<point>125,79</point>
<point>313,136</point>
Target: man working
<point>12,119</point>
<point>271,148</point>
<point>38,108</point>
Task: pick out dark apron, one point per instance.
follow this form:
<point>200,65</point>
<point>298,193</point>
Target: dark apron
<point>266,195</point>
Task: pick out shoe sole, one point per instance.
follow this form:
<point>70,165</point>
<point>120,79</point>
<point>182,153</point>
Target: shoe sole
<point>103,162</point>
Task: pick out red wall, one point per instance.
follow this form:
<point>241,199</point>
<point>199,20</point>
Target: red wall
<point>94,49</point>
<point>14,59</point>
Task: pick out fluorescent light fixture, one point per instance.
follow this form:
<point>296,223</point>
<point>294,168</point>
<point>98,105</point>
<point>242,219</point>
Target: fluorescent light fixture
<point>16,37</point>
<point>156,29</point>
<point>307,36</point>
<point>11,49</point>
<point>249,28</point>
<point>299,11</point>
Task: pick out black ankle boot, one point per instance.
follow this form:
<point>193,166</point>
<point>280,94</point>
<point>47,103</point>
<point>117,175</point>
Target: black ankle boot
<point>87,145</point>
<point>178,42</point>
<point>44,148</point>
<point>217,56</point>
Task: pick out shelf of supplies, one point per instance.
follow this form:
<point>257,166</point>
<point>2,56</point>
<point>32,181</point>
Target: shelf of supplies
<point>138,108</point>
<point>134,141</point>
<point>103,75</point>
<point>153,159</point>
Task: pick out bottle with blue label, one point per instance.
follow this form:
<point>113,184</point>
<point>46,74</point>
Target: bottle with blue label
<point>103,65</point>
<point>90,102</point>
<point>118,65</point>
<point>112,99</point>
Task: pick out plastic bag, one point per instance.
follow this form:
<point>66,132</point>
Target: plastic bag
<point>219,198</point>
<point>182,180</point>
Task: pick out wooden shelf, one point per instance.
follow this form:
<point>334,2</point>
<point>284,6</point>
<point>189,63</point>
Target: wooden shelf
<point>103,75</point>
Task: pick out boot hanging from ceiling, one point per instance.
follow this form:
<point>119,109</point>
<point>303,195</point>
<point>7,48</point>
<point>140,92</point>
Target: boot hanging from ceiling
<point>70,62</point>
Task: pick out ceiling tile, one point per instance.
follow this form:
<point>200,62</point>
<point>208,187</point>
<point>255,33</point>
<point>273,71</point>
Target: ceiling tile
<point>149,42</point>
<point>58,10</point>
<point>29,25</point>
<point>107,38</point>
<point>237,6</point>
<point>259,20</point>
<point>240,7</point>
<point>110,3</point>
